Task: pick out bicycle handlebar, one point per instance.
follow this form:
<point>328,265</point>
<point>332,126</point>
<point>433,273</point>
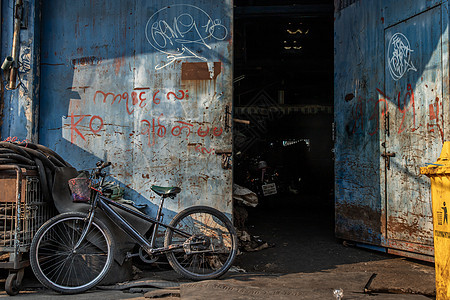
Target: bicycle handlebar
<point>101,165</point>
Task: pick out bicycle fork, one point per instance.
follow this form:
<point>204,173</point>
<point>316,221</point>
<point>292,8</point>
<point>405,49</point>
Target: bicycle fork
<point>85,230</point>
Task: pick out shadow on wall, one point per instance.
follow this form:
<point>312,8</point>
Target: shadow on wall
<point>119,95</point>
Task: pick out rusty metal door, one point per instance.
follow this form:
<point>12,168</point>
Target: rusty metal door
<point>146,85</point>
<point>413,127</point>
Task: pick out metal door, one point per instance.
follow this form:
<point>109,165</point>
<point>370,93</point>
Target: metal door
<point>146,85</point>
<point>414,130</point>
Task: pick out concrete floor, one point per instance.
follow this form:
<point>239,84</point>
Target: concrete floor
<point>307,262</point>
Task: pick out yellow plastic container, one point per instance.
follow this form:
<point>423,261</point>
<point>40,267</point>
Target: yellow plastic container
<point>439,173</point>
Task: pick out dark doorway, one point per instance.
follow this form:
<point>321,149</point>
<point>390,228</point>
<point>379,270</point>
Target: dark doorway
<point>283,85</point>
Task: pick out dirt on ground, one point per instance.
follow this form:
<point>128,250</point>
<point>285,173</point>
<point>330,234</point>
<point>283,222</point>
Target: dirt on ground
<point>304,260</point>
<point>301,230</point>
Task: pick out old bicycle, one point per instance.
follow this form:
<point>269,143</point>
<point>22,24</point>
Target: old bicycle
<point>73,251</point>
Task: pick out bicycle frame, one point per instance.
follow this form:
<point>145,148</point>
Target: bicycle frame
<point>74,251</point>
<point>105,204</point>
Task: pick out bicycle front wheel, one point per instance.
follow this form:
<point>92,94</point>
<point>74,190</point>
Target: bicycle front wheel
<point>60,266</point>
<point>210,249</point>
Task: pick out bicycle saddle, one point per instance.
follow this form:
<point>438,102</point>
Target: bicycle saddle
<point>165,191</point>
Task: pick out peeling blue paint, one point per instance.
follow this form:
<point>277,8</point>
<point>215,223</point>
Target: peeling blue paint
<point>391,114</point>
<point>124,81</point>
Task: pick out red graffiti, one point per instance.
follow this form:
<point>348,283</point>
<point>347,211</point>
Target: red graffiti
<point>202,132</point>
<point>217,131</point>
<point>15,139</point>
<point>155,99</point>
<point>74,131</point>
<point>135,98</point>
<point>73,126</point>
<point>176,131</point>
<point>142,100</point>
<point>375,114</point>
<point>95,131</point>
<point>182,95</point>
<point>125,96</point>
<point>435,120</point>
<point>403,108</point>
<point>152,128</point>
<point>156,130</point>
<point>203,150</point>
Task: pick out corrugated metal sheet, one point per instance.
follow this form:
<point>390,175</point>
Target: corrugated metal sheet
<point>390,96</point>
<point>146,85</point>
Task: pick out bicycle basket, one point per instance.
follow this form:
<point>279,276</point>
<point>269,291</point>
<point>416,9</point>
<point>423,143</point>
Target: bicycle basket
<point>79,187</point>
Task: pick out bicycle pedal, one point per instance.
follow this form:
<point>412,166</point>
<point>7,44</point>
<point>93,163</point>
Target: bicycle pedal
<point>131,255</point>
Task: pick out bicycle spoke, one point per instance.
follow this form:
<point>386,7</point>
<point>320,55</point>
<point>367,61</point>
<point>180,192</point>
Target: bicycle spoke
<point>212,243</point>
<point>62,267</point>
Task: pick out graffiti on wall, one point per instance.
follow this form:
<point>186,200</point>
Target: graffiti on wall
<point>179,32</point>
<point>175,30</point>
<point>14,139</point>
<point>151,128</point>
<point>138,100</point>
<point>399,56</point>
<point>374,111</point>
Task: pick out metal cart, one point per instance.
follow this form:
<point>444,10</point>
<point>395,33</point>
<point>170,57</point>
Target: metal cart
<point>22,212</point>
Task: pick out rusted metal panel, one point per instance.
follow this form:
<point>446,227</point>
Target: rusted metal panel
<point>358,57</point>
<point>390,92</point>
<point>145,85</point>
<point>413,76</point>
<point>200,71</point>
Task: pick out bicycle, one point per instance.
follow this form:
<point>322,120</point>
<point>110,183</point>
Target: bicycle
<point>72,252</point>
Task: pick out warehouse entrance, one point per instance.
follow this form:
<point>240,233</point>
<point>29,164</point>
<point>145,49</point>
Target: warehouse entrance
<point>283,85</point>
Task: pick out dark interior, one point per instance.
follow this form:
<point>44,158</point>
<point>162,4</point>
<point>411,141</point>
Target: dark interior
<point>283,85</point>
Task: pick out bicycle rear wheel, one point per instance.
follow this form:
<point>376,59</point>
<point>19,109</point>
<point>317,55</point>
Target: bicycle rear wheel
<point>62,268</point>
<point>210,250</point>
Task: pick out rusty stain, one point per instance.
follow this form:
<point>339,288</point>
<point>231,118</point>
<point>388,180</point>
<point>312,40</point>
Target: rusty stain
<point>118,62</point>
<point>200,71</point>
<point>85,61</point>
<point>402,226</point>
<point>351,219</point>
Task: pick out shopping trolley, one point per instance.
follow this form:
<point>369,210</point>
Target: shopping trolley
<point>22,212</point>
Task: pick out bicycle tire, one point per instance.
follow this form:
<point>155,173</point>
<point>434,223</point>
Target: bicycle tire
<point>208,261</point>
<point>55,263</point>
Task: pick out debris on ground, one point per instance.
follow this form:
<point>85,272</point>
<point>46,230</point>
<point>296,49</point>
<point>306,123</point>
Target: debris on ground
<point>163,293</point>
<point>237,269</point>
<point>161,284</point>
<point>244,196</point>
<point>151,288</point>
<point>249,243</point>
<point>338,294</point>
